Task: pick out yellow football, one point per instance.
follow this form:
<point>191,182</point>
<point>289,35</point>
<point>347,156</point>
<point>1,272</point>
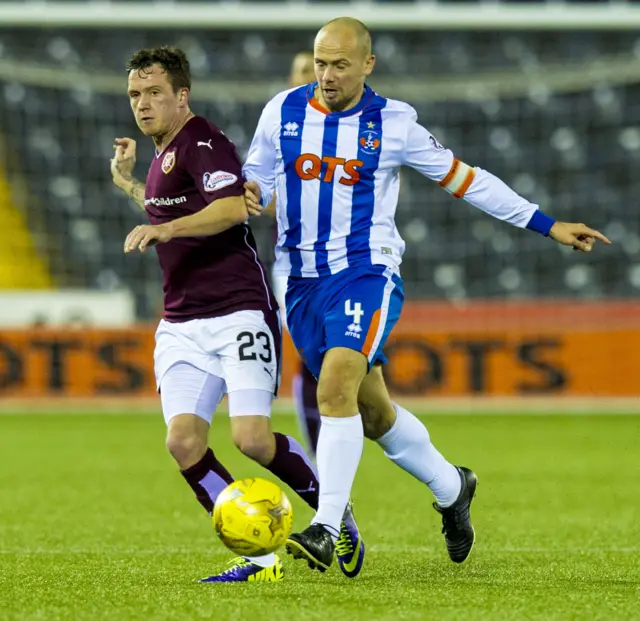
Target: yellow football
<point>252,517</point>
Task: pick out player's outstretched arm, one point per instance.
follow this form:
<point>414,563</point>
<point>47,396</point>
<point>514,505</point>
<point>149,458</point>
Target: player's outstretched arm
<point>489,193</point>
<point>217,217</point>
<point>122,165</point>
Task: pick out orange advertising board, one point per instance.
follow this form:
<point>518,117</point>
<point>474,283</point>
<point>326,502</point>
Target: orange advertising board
<point>437,349</point>
<point>511,349</point>
<point>76,363</point>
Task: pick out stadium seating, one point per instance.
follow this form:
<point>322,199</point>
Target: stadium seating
<point>573,153</point>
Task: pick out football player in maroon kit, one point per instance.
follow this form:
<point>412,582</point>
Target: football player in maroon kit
<point>221,331</point>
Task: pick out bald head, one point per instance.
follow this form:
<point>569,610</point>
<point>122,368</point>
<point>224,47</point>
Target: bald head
<point>349,27</point>
<point>343,61</point>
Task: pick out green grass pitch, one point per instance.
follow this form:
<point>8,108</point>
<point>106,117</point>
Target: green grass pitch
<point>96,523</point>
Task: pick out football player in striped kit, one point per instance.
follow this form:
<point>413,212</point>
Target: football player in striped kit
<point>331,152</point>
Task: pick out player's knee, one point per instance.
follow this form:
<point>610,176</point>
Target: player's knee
<point>186,448</point>
<point>335,398</point>
<point>342,372</point>
<point>256,443</point>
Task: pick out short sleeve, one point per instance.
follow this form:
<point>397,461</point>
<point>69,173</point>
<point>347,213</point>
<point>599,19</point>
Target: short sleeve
<point>214,165</point>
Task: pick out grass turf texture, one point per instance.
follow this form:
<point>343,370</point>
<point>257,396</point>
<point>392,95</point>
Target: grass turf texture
<point>96,523</point>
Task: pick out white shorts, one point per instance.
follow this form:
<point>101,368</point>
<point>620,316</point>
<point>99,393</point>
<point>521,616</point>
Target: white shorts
<point>279,286</point>
<point>241,349</point>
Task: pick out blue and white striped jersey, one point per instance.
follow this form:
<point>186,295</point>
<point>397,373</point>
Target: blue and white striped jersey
<point>336,178</point>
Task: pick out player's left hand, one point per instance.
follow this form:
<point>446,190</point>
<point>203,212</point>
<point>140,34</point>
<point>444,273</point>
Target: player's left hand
<point>580,236</point>
<point>147,235</point>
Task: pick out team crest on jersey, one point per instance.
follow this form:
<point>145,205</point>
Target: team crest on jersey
<point>168,162</point>
<point>370,141</point>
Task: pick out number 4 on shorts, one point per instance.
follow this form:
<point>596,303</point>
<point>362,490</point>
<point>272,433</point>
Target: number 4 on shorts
<point>356,312</point>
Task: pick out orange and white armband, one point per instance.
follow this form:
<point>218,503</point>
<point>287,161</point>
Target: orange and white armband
<point>458,179</point>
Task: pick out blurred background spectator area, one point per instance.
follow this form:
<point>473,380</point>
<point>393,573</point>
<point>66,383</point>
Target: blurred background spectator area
<point>553,112</point>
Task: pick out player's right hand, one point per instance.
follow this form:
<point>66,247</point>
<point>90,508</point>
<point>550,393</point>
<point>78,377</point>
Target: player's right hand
<point>252,196</point>
<point>124,160</point>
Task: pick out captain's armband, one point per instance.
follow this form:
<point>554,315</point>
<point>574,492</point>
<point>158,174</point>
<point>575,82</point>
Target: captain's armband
<point>458,179</point>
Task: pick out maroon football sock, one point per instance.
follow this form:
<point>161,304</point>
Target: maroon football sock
<point>207,479</point>
<point>292,465</point>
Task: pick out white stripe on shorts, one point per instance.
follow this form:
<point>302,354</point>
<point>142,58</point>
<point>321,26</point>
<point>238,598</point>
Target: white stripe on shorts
<point>384,312</point>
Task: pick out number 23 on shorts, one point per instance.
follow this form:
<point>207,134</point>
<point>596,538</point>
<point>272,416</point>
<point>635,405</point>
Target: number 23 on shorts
<point>254,346</point>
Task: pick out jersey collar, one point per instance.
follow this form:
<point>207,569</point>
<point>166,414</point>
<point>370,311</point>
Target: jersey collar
<point>367,96</point>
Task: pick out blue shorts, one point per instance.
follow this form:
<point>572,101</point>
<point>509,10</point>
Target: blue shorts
<point>355,308</point>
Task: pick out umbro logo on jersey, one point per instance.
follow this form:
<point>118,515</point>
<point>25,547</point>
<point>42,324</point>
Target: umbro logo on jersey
<point>291,129</point>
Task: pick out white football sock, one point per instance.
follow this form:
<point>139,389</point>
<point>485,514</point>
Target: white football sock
<point>264,561</point>
<point>408,445</point>
<point>339,451</point>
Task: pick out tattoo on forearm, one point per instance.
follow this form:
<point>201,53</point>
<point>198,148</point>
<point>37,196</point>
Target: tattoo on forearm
<point>137,192</point>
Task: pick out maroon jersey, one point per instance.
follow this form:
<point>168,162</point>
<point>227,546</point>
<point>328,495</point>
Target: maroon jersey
<point>203,276</point>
